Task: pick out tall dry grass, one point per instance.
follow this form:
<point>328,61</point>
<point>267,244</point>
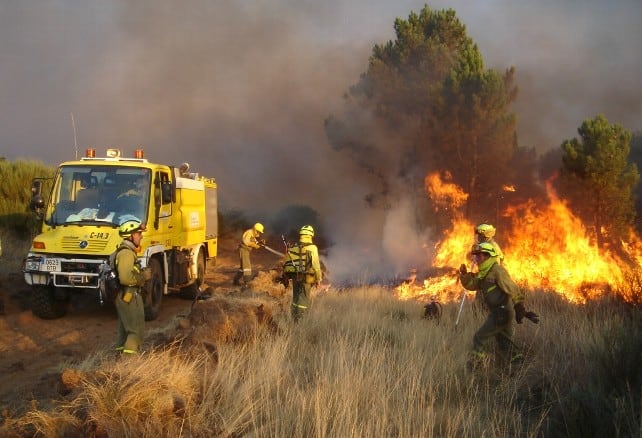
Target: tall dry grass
<point>15,194</point>
<point>17,222</point>
<point>14,250</point>
<point>362,364</point>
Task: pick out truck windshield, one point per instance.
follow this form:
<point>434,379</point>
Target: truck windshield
<point>98,194</point>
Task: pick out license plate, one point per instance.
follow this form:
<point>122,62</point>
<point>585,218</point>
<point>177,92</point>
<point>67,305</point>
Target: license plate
<point>52,265</point>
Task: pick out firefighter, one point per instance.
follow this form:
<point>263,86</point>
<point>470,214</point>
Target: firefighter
<point>129,302</point>
<point>137,188</point>
<point>503,300</point>
<point>302,266</point>
<point>250,240</point>
<point>486,233</point>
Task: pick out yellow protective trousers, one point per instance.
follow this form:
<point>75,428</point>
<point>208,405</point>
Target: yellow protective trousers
<point>131,321</point>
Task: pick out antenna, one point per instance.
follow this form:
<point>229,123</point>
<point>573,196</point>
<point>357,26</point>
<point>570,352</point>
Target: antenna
<point>73,125</point>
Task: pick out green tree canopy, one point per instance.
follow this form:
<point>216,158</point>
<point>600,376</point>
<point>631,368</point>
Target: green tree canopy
<point>599,180</point>
<point>427,103</point>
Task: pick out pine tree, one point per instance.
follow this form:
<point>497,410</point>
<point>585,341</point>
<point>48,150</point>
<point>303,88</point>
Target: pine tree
<point>599,179</point>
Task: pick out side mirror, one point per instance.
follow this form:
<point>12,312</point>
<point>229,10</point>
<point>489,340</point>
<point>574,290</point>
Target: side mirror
<point>37,201</point>
<point>36,187</point>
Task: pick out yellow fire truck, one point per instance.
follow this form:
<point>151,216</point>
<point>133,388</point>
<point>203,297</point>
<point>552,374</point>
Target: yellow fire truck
<point>89,199</point>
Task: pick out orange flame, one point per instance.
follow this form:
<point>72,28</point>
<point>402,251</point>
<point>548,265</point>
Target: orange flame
<point>444,195</point>
<point>546,248</point>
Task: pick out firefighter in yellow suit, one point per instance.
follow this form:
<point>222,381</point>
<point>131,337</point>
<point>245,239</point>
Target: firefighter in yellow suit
<point>303,267</point>
<point>130,304</point>
<point>250,240</point>
<point>503,300</point>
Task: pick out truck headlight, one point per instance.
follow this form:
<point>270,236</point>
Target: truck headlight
<point>33,263</point>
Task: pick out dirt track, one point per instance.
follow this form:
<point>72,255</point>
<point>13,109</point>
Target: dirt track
<point>33,351</point>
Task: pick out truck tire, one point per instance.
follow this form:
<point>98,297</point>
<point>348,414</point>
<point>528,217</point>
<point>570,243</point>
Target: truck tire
<point>154,291</point>
<point>46,304</point>
<point>191,292</point>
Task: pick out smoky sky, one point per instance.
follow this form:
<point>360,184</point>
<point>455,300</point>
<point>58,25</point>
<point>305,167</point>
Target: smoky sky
<point>240,89</point>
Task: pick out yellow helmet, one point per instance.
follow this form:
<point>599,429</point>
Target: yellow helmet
<point>306,230</point>
<point>485,247</point>
<point>259,227</point>
<point>130,226</point>
<point>485,230</point>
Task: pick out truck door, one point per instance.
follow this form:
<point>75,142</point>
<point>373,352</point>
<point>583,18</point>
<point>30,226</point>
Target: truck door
<point>163,209</point>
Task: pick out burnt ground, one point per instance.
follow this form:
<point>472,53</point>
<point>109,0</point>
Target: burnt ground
<point>34,351</point>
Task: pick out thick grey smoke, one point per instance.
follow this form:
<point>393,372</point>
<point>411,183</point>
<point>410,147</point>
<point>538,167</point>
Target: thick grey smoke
<point>241,89</point>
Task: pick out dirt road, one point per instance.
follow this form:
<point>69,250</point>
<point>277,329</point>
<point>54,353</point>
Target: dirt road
<point>33,351</point>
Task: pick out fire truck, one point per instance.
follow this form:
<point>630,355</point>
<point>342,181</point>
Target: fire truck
<point>89,198</point>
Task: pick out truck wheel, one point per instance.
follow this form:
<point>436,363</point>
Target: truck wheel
<point>46,304</point>
<point>191,292</point>
<point>154,291</point>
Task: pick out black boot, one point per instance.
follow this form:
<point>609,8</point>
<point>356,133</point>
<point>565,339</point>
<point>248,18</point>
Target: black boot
<point>237,278</point>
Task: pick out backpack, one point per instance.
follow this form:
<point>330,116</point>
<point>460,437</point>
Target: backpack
<point>298,264</point>
<point>111,283</point>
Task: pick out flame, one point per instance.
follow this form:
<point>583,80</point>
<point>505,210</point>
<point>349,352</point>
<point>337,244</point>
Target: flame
<point>456,245</point>
<point>546,248</point>
<point>550,249</point>
<point>444,195</point>
<point>443,289</point>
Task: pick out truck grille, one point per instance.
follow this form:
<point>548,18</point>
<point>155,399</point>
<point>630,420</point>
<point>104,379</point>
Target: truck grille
<point>94,246</point>
<point>93,268</point>
<point>78,274</point>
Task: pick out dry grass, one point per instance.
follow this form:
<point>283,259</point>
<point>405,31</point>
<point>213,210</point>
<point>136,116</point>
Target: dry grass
<point>153,392</point>
<point>14,250</point>
<point>15,194</point>
<point>363,364</point>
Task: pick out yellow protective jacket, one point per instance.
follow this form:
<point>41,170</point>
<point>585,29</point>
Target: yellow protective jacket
<point>494,284</point>
<point>313,268</point>
<point>129,271</point>
<point>249,240</point>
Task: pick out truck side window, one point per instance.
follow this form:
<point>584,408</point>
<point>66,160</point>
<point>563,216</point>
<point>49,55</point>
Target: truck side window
<point>164,192</point>
<point>166,189</point>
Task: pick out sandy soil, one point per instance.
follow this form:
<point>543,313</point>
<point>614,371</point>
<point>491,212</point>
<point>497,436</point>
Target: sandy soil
<point>34,351</point>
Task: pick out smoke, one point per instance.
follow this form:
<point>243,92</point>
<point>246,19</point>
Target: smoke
<point>403,244</point>
<point>574,60</point>
<point>240,90</point>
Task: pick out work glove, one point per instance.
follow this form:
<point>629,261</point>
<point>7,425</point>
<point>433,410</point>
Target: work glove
<point>463,269</point>
<point>146,274</point>
<point>520,312</point>
<point>261,243</point>
<point>534,317</point>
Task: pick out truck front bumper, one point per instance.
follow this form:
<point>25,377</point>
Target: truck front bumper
<point>42,270</point>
